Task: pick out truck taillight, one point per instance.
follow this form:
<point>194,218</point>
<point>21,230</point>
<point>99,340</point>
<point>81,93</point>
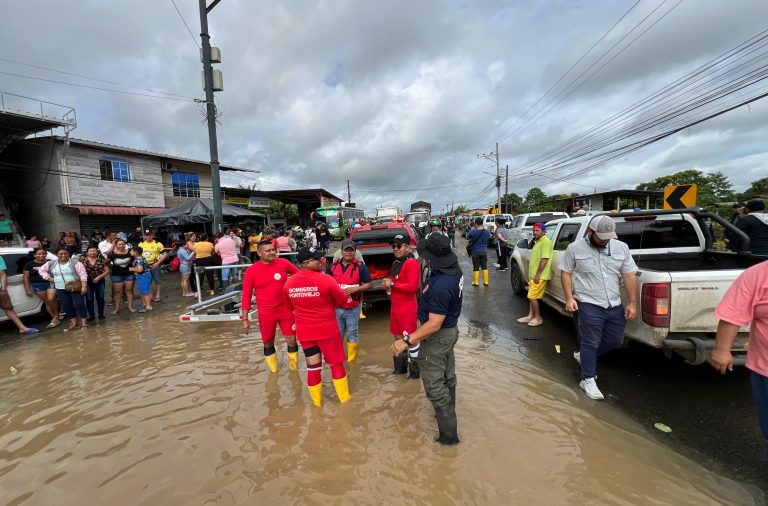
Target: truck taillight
<point>655,304</point>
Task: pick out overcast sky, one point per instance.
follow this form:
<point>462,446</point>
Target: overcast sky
<point>397,95</point>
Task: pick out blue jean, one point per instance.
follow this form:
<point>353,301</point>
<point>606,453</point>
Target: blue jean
<point>72,303</point>
<point>348,320</point>
<point>95,291</point>
<point>228,273</point>
<point>601,330</point>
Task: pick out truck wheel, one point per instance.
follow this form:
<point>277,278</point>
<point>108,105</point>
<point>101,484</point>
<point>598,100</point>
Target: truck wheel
<point>237,287</point>
<point>516,278</point>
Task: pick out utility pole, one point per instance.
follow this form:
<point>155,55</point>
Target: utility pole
<point>349,193</point>
<point>498,180</point>
<point>210,108</point>
<point>506,190</point>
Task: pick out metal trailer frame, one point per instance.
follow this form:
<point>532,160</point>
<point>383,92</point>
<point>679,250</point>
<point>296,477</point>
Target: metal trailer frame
<point>211,310</point>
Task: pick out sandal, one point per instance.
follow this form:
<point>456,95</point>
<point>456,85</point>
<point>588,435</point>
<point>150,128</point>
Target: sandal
<point>54,323</point>
<point>72,327</point>
<point>157,299</point>
<point>30,330</point>
<point>83,328</point>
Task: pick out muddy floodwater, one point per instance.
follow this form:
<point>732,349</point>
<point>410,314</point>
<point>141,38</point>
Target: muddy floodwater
<point>151,411</point>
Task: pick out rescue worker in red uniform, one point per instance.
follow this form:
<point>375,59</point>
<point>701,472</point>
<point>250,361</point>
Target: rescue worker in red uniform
<point>354,278</point>
<point>403,282</point>
<point>313,297</point>
<point>267,277</point>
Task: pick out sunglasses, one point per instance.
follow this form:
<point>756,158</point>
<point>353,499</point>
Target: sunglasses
<point>398,246</point>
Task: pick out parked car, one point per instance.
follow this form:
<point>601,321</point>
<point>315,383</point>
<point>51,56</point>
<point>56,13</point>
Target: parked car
<point>522,226</point>
<point>489,223</point>
<point>15,259</point>
<point>373,242</point>
<point>680,278</point>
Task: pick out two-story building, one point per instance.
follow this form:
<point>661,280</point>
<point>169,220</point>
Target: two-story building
<point>76,185</point>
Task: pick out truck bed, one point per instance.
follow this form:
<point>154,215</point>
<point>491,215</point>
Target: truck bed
<point>707,261</point>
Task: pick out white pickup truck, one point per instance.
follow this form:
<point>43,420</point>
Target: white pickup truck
<point>681,279</point>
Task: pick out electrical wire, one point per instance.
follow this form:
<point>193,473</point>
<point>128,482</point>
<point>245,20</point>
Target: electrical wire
<point>185,24</point>
<point>97,87</point>
<point>58,71</point>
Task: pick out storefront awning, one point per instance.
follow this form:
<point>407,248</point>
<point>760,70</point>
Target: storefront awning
<point>116,210</point>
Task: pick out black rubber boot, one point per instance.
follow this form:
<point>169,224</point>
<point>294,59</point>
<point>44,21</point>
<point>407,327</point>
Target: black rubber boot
<point>447,425</point>
<point>413,369</point>
<point>401,364</point>
<point>452,391</point>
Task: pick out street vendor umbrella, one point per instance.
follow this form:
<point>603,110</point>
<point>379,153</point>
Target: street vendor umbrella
<point>193,212</point>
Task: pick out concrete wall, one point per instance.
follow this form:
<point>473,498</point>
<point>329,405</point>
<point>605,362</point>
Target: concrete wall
<point>86,186</point>
<point>203,172</point>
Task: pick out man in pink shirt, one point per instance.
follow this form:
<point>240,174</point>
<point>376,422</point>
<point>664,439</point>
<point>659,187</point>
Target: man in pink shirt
<point>745,302</point>
<point>228,251</point>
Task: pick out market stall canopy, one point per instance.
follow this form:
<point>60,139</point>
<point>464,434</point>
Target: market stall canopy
<point>193,212</point>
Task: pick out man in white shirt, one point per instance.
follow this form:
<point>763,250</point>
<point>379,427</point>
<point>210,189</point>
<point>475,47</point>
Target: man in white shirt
<point>108,244</point>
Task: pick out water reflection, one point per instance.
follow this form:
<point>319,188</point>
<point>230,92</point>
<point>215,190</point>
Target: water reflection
<point>154,412</point>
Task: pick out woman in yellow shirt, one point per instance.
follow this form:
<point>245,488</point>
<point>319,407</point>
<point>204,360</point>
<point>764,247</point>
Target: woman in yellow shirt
<point>253,245</point>
<point>204,258</point>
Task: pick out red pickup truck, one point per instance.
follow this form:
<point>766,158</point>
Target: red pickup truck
<point>373,242</point>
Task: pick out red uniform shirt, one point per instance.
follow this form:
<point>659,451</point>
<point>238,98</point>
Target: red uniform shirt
<point>268,281</point>
<point>406,283</point>
<point>313,296</point>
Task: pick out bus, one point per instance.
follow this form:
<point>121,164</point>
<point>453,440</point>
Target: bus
<point>338,218</point>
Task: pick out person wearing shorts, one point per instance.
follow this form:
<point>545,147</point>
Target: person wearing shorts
<point>36,286</point>
<point>141,269</point>
<point>403,284</point>
<point>539,272</point>
<point>267,277</point>
<point>313,297</point>
<point>121,276</point>
<point>154,255</point>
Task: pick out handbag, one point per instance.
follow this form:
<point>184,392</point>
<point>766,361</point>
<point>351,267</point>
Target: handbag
<point>71,286</point>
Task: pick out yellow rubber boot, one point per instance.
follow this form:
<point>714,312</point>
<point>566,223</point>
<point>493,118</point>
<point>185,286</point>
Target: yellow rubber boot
<point>293,360</point>
<point>342,389</point>
<point>351,352</point>
<point>485,277</point>
<point>316,393</point>
<point>475,278</point>
<point>362,316</point>
<point>271,361</point>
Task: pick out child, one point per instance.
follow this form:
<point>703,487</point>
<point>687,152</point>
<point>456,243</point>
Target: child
<point>140,268</point>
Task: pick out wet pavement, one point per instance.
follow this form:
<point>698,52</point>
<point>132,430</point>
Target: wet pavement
<point>145,410</point>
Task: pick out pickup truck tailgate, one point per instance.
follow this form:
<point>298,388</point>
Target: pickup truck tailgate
<point>693,302</point>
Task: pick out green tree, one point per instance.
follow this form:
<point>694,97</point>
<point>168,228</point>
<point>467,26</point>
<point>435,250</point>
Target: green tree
<point>460,209</point>
<point>514,202</point>
<point>711,188</point>
<point>534,200</point>
<point>759,187</point>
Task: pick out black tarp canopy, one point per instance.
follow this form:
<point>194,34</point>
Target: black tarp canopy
<point>194,212</point>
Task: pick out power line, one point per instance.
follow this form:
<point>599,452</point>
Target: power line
<point>41,67</point>
<point>185,24</point>
<point>97,87</point>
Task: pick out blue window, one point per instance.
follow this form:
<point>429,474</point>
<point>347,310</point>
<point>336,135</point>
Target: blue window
<point>185,184</point>
<point>113,169</point>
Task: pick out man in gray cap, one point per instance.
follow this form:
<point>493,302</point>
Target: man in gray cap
<point>431,345</point>
<point>591,270</point>
<point>354,278</point>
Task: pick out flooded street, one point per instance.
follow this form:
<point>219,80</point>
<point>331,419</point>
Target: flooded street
<point>150,411</point>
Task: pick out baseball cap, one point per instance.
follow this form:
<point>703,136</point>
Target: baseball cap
<point>308,254</point>
<point>538,225</point>
<point>737,205</point>
<point>399,239</point>
<point>604,227</point>
<point>437,249</point>
<point>347,243</point>
<point>756,205</point>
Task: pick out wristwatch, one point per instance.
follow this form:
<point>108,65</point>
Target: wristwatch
<point>406,338</point>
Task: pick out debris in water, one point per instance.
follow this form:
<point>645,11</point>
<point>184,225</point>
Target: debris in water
<point>13,370</point>
<point>557,348</point>
<point>662,427</point>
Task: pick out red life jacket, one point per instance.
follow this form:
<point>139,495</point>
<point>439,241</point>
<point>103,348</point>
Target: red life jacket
<point>350,276</point>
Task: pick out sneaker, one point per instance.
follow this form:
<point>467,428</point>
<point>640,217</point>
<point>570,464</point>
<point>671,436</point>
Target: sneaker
<point>497,265</point>
<point>577,356</point>
<point>589,385</point>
